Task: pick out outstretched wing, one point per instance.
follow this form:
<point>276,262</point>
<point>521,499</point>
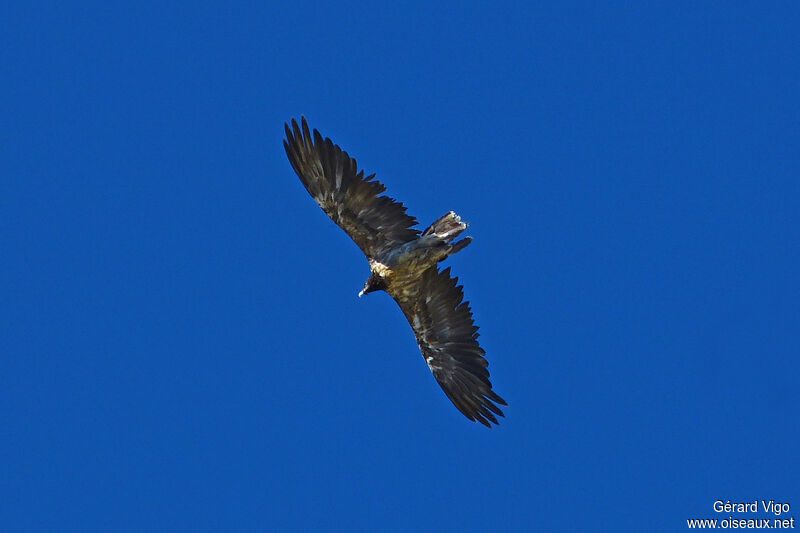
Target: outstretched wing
<point>376,223</point>
<point>448,338</point>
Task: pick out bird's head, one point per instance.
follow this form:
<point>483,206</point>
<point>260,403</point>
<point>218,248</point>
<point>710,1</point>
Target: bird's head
<point>374,283</point>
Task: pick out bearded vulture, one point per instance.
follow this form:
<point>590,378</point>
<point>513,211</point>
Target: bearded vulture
<point>404,263</point>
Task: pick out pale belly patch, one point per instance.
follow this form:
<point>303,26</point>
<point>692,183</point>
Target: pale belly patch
<point>380,269</point>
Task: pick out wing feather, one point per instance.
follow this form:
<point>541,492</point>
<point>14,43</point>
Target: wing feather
<point>376,223</point>
<point>448,339</point>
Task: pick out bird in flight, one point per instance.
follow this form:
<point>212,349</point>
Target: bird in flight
<point>404,263</point>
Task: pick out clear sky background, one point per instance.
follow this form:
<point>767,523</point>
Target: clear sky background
<point>181,345</point>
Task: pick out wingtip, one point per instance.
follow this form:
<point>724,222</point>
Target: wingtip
<point>293,129</point>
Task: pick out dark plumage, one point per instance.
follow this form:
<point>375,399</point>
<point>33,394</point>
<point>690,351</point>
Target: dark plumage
<point>403,263</point>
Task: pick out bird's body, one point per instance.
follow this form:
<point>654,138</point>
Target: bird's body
<point>398,270</point>
<point>404,263</point>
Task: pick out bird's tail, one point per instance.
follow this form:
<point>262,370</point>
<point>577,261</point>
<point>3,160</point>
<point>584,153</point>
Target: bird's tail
<point>446,228</point>
<point>460,245</point>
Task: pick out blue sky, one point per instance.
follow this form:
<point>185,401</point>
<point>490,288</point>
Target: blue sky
<point>182,348</point>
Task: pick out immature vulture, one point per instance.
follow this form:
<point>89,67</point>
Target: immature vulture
<point>404,263</point>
